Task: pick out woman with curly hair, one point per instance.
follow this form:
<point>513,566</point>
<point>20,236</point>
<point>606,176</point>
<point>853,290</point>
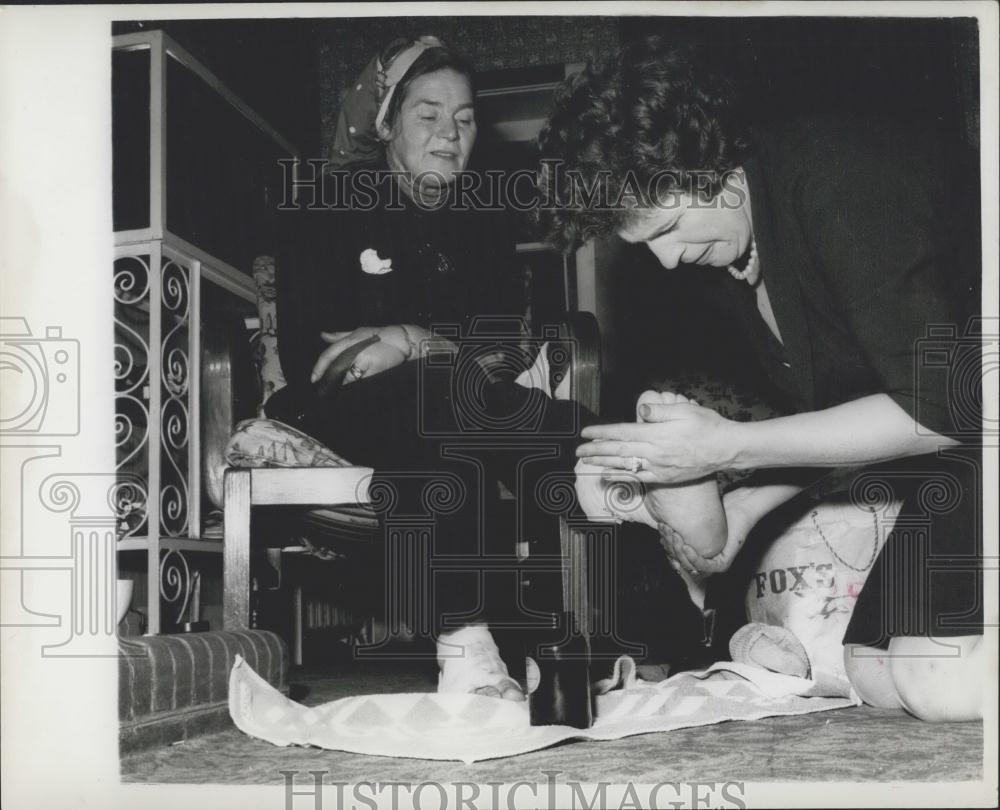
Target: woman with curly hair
<point>837,236</point>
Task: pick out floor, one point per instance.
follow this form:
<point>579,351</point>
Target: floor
<point>858,744</point>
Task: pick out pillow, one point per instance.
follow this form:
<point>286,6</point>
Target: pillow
<point>270,443</point>
<point>266,355</point>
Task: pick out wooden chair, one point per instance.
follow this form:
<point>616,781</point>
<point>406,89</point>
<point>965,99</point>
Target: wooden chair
<point>342,492</point>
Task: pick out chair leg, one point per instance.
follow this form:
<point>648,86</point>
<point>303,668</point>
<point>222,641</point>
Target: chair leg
<point>298,619</point>
<point>574,575</point>
<point>236,551</point>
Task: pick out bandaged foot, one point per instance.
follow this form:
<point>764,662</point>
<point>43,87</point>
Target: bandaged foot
<point>470,663</point>
<point>693,510</point>
<point>770,647</point>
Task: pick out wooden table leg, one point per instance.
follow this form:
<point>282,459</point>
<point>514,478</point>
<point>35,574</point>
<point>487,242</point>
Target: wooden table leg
<point>236,551</point>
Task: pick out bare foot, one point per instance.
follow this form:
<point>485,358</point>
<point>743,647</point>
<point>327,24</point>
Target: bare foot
<point>694,510</point>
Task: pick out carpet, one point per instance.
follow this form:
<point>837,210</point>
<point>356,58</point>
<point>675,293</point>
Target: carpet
<point>850,745</point>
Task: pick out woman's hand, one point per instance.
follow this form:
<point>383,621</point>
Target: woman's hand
<point>676,442</point>
<point>740,519</point>
<point>374,359</point>
<point>407,341</point>
<point>339,343</point>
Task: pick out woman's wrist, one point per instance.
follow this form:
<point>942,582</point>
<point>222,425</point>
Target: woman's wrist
<point>739,447</point>
<point>413,347</point>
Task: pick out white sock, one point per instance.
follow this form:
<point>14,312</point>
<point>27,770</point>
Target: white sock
<point>469,659</point>
<point>770,647</point>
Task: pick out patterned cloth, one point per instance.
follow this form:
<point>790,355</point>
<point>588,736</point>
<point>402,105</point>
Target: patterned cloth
<point>270,443</point>
<point>364,106</point>
<point>727,400</point>
<point>266,353</point>
<point>471,728</point>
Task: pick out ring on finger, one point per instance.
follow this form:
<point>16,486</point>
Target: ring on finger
<point>635,464</point>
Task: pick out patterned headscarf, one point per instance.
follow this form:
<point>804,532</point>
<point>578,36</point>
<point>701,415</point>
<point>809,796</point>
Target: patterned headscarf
<point>365,105</point>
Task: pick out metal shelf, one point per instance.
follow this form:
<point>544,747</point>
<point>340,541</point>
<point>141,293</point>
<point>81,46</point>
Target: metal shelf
<point>171,544</point>
<point>158,321</point>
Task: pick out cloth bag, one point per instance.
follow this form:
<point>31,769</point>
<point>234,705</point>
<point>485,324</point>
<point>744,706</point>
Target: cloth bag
<point>809,579</point>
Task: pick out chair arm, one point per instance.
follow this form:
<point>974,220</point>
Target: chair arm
<point>263,486</point>
<point>581,331</point>
<point>230,391</point>
<point>306,486</point>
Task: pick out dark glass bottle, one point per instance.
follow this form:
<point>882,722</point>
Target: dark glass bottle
<point>558,676</point>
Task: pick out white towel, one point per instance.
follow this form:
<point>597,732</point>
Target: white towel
<point>470,728</point>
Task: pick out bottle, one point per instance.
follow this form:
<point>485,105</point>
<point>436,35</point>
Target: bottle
<point>557,669</point>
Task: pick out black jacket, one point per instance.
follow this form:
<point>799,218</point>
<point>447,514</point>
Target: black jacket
<point>448,267</point>
<point>866,241</point>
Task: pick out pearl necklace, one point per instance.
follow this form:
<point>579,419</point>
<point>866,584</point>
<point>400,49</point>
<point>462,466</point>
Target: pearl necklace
<point>747,273</point>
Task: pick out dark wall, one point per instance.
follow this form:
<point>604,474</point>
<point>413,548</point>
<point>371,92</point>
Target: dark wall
<point>294,71</point>
<point>270,64</point>
<point>920,71</point>
<point>910,68</point>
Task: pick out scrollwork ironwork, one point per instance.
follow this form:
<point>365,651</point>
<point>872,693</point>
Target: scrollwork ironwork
<point>176,576</point>
<point>176,386</point>
<point>131,373</point>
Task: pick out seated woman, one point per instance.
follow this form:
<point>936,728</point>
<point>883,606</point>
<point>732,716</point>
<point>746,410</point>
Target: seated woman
<point>396,260</point>
<point>841,240</point>
<point>372,261</point>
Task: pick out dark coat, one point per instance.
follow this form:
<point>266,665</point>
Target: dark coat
<point>860,237</point>
<point>448,266</point>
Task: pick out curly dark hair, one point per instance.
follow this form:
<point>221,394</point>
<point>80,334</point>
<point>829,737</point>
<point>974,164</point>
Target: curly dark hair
<point>652,119</point>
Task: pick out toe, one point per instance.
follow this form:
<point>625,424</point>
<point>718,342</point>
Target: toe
<point>513,692</point>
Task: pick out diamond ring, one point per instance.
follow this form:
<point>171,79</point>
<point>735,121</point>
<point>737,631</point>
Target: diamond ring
<point>634,464</point>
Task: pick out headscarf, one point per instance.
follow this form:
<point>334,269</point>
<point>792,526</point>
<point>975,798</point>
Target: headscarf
<point>365,105</point>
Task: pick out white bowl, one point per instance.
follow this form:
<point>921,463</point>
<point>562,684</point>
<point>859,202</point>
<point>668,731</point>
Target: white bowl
<point>123,597</point>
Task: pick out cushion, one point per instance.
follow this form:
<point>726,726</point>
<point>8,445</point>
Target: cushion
<point>270,443</point>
